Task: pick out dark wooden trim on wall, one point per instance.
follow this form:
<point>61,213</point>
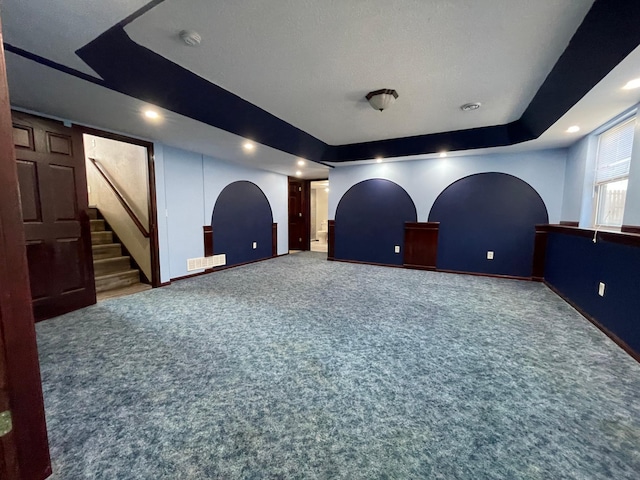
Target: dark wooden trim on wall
<point>569,223</point>
<point>358,262</point>
<point>153,203</point>
<point>539,253</point>
<point>274,239</point>
<point>207,231</point>
<point>421,245</point>
<point>622,238</point>
<point>331,240</point>
<point>631,229</point>
<point>617,340</point>
<point>490,275</point>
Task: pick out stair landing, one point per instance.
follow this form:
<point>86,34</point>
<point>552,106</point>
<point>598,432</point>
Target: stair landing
<point>123,291</point>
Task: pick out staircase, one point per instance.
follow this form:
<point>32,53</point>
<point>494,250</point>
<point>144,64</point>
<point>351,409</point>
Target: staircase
<point>113,273</point>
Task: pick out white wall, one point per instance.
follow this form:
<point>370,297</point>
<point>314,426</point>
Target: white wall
<point>322,209</point>
<point>192,183</point>
<point>127,167</point>
<point>424,180</point>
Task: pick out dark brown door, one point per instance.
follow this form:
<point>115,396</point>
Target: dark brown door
<point>299,214</point>
<point>53,192</point>
<point>24,453</point>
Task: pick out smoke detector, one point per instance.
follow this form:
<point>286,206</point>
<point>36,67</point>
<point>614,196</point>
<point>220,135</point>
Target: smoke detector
<point>469,107</point>
<point>190,37</point>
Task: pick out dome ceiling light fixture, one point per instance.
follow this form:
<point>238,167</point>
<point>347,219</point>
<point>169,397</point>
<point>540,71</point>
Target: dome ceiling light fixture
<point>190,37</point>
<point>470,107</point>
<point>382,99</point>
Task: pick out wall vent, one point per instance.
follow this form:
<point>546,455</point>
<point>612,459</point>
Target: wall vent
<point>201,263</point>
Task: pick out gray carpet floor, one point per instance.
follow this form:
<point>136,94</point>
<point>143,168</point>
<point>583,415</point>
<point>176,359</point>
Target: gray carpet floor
<point>301,368</point>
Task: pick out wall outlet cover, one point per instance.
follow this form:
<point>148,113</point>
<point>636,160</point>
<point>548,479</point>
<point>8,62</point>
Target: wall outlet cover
<point>397,249</point>
<point>601,289</point>
<point>489,255</point>
<point>255,245</point>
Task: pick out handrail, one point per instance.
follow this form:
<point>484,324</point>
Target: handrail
<point>119,196</point>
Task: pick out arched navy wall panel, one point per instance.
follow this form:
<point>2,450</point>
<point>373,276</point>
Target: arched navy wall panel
<point>488,212</point>
<point>242,215</point>
<point>370,222</point>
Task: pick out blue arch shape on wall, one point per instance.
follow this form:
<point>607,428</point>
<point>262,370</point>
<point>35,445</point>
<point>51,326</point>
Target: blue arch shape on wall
<point>370,222</point>
<point>242,215</point>
<point>488,212</point>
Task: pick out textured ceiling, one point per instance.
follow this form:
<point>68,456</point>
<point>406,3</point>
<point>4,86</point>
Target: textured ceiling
<point>67,97</point>
<point>312,62</point>
<point>55,29</point>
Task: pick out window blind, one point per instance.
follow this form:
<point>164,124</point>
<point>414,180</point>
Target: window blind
<point>614,152</point>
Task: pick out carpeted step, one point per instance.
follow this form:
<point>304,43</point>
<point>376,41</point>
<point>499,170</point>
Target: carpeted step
<point>107,250</point>
<point>97,225</point>
<point>111,265</point>
<point>100,238</point>
<point>117,280</point>
<point>93,213</point>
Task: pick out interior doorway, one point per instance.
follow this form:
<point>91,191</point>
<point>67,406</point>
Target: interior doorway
<point>319,215</point>
<point>122,207</point>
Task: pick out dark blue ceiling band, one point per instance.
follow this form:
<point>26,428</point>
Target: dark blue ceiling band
<point>606,36</point>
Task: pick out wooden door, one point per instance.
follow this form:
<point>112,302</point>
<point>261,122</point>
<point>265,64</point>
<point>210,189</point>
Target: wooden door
<point>53,192</point>
<point>299,214</point>
<point>24,452</point>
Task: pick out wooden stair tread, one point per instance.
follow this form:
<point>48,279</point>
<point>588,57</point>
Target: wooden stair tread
<point>111,259</point>
<point>123,273</point>
<point>103,246</point>
<point>112,270</point>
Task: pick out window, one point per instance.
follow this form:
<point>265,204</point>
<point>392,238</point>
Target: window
<point>612,173</point>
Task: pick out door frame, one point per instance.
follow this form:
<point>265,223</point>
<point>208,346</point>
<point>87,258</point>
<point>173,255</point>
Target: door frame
<point>22,383</point>
<point>324,179</point>
<point>153,206</point>
<point>306,207</point>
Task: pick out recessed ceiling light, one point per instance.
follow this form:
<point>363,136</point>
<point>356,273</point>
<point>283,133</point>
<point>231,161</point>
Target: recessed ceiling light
<point>326,189</point>
<point>248,146</point>
<point>631,84</point>
<point>573,129</point>
<point>298,173</point>
<point>151,114</point>
<point>378,159</point>
<point>443,154</point>
<point>301,162</point>
<point>469,107</point>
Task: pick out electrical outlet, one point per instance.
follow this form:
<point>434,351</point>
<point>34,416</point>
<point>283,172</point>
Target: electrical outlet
<point>489,255</point>
<point>255,245</point>
<point>397,249</point>
<point>601,289</point>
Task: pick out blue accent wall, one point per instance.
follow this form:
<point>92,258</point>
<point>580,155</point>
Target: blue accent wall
<point>488,212</point>
<point>370,222</point>
<point>242,215</point>
<point>575,266</point>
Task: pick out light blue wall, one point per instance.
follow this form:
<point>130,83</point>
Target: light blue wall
<point>184,204</point>
<point>578,181</point>
<point>632,204</point>
<point>192,183</point>
<point>580,174</point>
<point>218,175</point>
<point>161,204</point>
<point>424,180</point>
